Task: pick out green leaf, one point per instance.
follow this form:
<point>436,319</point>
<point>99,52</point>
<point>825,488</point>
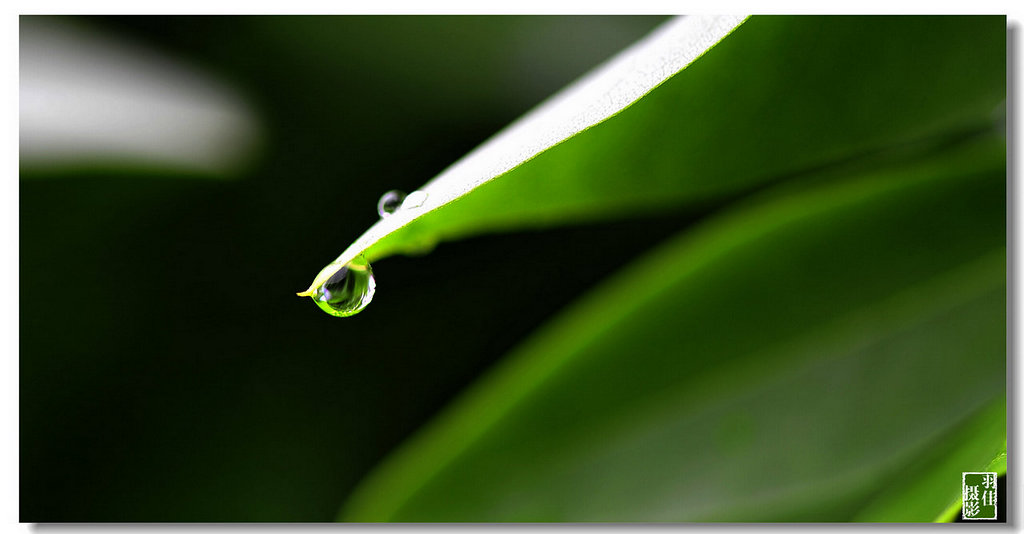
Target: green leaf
<point>589,100</point>
<point>778,96</point>
<point>789,360</point>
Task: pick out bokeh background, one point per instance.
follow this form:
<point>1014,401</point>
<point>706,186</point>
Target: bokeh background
<point>168,372</point>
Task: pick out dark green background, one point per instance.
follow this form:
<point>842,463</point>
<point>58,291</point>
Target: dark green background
<point>168,372</point>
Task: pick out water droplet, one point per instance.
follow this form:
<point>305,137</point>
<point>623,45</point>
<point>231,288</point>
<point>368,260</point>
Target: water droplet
<point>348,291</point>
<point>414,200</point>
<point>389,202</point>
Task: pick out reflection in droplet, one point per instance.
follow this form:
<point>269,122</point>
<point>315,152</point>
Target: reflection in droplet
<point>348,291</point>
<point>389,202</point>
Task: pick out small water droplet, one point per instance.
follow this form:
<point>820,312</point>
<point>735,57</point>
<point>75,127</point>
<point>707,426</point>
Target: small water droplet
<point>414,200</point>
<point>348,291</point>
<point>390,202</point>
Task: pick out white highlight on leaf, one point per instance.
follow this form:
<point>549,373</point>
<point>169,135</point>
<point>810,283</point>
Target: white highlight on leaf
<point>603,92</point>
<point>416,199</point>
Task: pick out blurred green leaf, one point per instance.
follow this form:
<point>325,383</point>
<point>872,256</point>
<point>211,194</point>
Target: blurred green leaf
<point>789,360</point>
<point>779,95</point>
<point>929,479</point>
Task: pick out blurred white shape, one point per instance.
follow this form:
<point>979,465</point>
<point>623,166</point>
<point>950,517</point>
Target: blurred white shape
<point>90,99</point>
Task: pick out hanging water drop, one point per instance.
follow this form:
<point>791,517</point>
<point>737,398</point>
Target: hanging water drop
<point>348,291</point>
<point>389,202</point>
